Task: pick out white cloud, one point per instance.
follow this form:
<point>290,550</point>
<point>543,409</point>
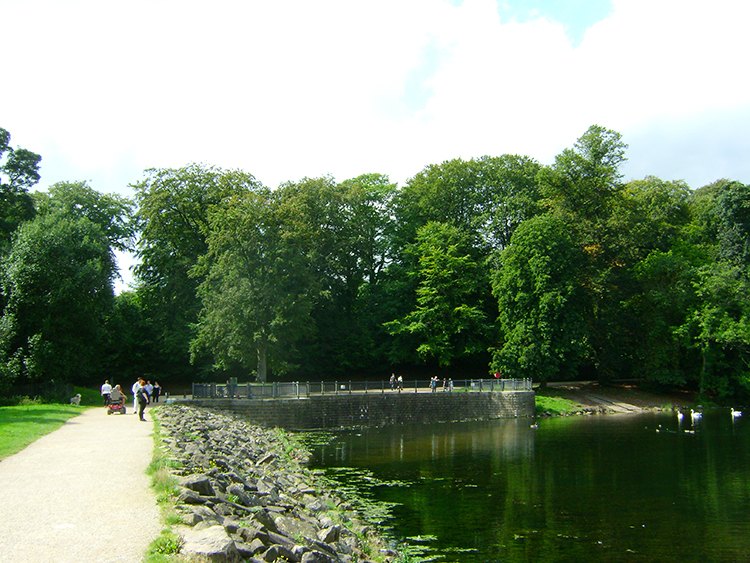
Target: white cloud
<point>292,88</point>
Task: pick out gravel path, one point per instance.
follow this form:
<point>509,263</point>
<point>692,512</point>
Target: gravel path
<point>80,494</point>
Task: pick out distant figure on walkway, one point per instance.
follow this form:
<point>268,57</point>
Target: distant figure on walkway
<point>149,390</point>
<point>117,397</point>
<point>142,398</point>
<point>135,388</point>
<point>393,381</point>
<point>450,384</point>
<point>445,385</point>
<point>106,392</point>
<point>157,391</point>
<point>400,383</point>
<point>433,383</point>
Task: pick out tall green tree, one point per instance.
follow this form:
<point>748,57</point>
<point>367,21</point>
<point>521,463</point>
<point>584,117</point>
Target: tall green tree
<point>112,212</point>
<point>19,171</point>
<point>543,302</point>
<point>172,219</point>
<point>258,283</point>
<point>57,279</point>
<point>451,317</point>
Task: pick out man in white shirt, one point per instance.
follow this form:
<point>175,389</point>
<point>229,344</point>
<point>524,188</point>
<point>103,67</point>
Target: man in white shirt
<point>134,389</point>
<point>106,391</point>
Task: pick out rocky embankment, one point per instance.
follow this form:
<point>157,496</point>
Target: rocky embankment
<point>244,494</point>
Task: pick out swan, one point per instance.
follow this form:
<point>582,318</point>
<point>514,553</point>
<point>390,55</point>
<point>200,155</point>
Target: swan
<point>695,414</point>
<point>735,413</point>
<point>680,416</point>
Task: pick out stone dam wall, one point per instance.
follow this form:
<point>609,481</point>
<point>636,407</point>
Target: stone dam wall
<point>375,409</point>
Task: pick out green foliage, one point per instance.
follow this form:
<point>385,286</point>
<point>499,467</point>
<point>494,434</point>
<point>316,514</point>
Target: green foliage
<point>173,220</point>
<point>19,171</point>
<point>450,319</point>
<point>542,301</point>
<point>57,279</point>
<point>111,212</point>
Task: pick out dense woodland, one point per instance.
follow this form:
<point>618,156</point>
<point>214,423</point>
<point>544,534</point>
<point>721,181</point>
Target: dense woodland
<point>472,267</point>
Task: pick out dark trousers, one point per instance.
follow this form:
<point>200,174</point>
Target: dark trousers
<point>141,408</point>
<point>106,398</point>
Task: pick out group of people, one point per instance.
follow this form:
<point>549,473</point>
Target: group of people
<point>447,383</point>
<point>144,392</point>
<point>397,383</point>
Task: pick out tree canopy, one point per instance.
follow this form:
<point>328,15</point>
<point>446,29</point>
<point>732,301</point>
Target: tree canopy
<point>495,263</point>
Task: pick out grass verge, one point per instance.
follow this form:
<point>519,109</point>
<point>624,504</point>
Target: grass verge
<point>549,401</point>
<point>23,424</point>
<point>166,547</point>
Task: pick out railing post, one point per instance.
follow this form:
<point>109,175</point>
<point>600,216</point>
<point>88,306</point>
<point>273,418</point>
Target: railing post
<point>336,383</point>
<point>350,386</point>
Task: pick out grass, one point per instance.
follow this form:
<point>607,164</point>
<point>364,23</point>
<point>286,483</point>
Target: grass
<point>549,401</point>
<point>23,424</point>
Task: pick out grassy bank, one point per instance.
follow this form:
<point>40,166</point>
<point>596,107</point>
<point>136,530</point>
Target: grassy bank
<point>30,419</point>
<point>555,402</point>
<point>23,424</point>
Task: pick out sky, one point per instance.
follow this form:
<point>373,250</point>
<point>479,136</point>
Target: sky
<point>287,89</point>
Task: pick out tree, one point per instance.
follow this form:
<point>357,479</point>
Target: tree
<point>258,283</point>
<point>733,213</point>
<point>488,196</point>
<point>112,212</point>
<point>542,301</point>
<point>172,217</point>
<point>57,279</point>
<point>451,318</point>
<point>585,179</point>
<point>19,170</point>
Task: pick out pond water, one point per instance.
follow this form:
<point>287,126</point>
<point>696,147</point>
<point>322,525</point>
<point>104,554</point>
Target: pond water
<point>609,488</point>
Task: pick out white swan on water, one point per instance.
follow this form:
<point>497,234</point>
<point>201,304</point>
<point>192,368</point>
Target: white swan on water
<point>735,413</point>
<point>695,415</point>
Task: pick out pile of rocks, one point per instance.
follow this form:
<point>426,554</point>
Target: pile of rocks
<point>245,494</point>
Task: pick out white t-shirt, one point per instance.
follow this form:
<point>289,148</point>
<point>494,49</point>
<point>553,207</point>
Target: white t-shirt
<point>106,389</point>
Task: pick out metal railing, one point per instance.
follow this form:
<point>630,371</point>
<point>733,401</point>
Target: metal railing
<point>300,389</point>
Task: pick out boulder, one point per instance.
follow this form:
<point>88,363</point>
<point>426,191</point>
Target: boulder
<point>200,483</point>
<point>212,543</point>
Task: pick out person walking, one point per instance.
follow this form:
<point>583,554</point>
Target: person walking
<point>149,390</point>
<point>141,398</point>
<point>136,386</point>
<point>106,392</point>
<point>157,391</point>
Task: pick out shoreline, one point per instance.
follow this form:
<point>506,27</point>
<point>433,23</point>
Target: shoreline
<point>243,492</point>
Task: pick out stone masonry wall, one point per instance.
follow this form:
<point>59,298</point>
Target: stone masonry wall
<point>376,409</point>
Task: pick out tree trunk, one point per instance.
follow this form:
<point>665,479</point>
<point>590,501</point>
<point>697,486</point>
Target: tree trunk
<point>262,360</point>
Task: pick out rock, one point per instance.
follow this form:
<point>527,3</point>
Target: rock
<point>329,535</point>
<point>199,483</point>
<point>203,513</point>
<point>315,557</point>
<point>188,496</point>
<point>247,498</point>
<point>276,551</point>
<point>213,543</point>
<point>293,527</point>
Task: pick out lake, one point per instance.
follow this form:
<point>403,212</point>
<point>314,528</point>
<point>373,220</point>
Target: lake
<point>609,488</point>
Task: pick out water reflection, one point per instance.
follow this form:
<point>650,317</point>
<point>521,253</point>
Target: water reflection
<point>604,488</point>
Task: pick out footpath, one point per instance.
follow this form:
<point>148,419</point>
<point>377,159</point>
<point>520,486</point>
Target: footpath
<point>80,494</point>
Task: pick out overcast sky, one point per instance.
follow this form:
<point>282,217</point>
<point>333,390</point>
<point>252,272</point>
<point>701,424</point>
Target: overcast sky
<point>284,89</point>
